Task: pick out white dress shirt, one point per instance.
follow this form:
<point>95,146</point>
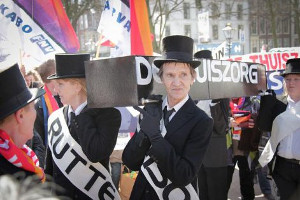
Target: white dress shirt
<point>77,111</point>
<point>176,107</point>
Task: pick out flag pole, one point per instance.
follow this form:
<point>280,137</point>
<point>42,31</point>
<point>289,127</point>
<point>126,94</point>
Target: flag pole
<point>98,46</point>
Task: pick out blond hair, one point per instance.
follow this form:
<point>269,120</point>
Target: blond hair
<point>80,81</point>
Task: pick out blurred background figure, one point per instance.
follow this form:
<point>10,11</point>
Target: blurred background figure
<point>214,166</point>
<point>33,79</point>
<point>47,103</point>
<point>243,144</point>
<point>17,188</point>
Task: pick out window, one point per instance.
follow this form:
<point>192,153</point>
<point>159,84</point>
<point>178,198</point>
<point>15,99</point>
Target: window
<point>186,11</point>
<point>240,28</point>
<point>215,32</point>
<point>270,43</point>
<point>286,26</point>
<point>227,11</point>
<point>254,26</point>
<point>296,41</point>
<point>167,31</point>
<point>81,23</point>
<point>214,10</point>
<point>239,11</point>
<point>278,25</point>
<point>187,30</point>
<point>85,21</point>
<point>269,28</point>
<point>262,26</point>
<point>254,49</point>
<point>286,42</point>
<point>295,29</point>
<point>279,42</point>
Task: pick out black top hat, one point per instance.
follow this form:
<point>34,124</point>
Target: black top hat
<point>203,54</point>
<point>292,67</point>
<point>14,92</point>
<point>69,66</point>
<point>177,48</point>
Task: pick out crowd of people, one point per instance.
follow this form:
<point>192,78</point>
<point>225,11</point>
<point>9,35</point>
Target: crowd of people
<point>182,148</point>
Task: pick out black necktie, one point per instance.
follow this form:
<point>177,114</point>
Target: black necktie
<point>73,126</point>
<point>167,114</point>
<point>72,121</point>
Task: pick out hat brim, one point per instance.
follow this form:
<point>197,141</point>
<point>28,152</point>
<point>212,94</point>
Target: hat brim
<point>55,76</point>
<point>159,62</point>
<point>35,92</point>
<point>284,74</point>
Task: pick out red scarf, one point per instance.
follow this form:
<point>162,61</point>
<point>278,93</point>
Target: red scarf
<point>235,110</point>
<point>23,157</point>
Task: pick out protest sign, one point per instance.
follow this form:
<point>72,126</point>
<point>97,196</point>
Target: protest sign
<point>124,81</point>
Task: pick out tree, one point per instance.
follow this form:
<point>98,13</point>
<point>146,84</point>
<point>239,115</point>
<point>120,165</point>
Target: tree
<point>159,12</point>
<point>76,8</point>
<point>295,8</point>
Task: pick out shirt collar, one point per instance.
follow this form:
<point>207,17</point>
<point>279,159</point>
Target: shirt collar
<point>78,109</point>
<point>177,106</point>
<point>292,103</point>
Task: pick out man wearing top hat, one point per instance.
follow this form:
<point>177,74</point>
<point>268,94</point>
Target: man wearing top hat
<point>285,136</point>
<point>214,165</point>
<point>80,139</point>
<point>168,148</point>
<point>17,115</point>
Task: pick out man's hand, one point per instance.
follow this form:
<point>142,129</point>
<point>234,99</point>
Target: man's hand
<point>152,114</point>
<point>247,124</point>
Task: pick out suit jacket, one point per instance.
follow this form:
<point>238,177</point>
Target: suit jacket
<point>216,154</point>
<point>178,155</point>
<point>96,133</point>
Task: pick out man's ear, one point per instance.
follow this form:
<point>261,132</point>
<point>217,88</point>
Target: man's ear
<point>19,115</point>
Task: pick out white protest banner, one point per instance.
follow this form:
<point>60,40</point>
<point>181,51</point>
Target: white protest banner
<point>37,29</point>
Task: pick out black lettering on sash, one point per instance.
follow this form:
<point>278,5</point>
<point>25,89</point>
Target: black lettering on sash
<point>63,151</point>
<point>171,187</point>
<point>160,184</point>
<point>55,132</point>
<point>94,178</point>
<point>104,190</point>
<point>75,161</point>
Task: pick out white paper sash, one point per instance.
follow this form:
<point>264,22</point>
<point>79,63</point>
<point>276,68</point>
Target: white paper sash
<point>163,187</point>
<point>283,125</point>
<point>91,178</point>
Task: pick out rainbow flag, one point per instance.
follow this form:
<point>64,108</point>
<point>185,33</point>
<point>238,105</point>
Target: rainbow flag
<point>126,25</point>
<point>141,43</point>
<point>38,28</point>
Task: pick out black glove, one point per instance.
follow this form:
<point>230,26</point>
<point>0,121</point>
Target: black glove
<point>152,114</point>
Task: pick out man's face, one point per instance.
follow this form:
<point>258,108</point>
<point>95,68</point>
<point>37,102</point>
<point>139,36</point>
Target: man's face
<point>27,125</point>
<point>29,79</point>
<point>177,79</point>
<point>293,85</point>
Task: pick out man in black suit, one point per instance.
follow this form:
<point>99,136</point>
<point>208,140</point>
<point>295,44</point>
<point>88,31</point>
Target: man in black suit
<point>214,165</point>
<point>168,150</point>
<point>17,115</point>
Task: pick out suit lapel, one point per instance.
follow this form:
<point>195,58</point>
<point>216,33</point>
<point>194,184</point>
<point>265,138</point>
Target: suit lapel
<point>185,113</point>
